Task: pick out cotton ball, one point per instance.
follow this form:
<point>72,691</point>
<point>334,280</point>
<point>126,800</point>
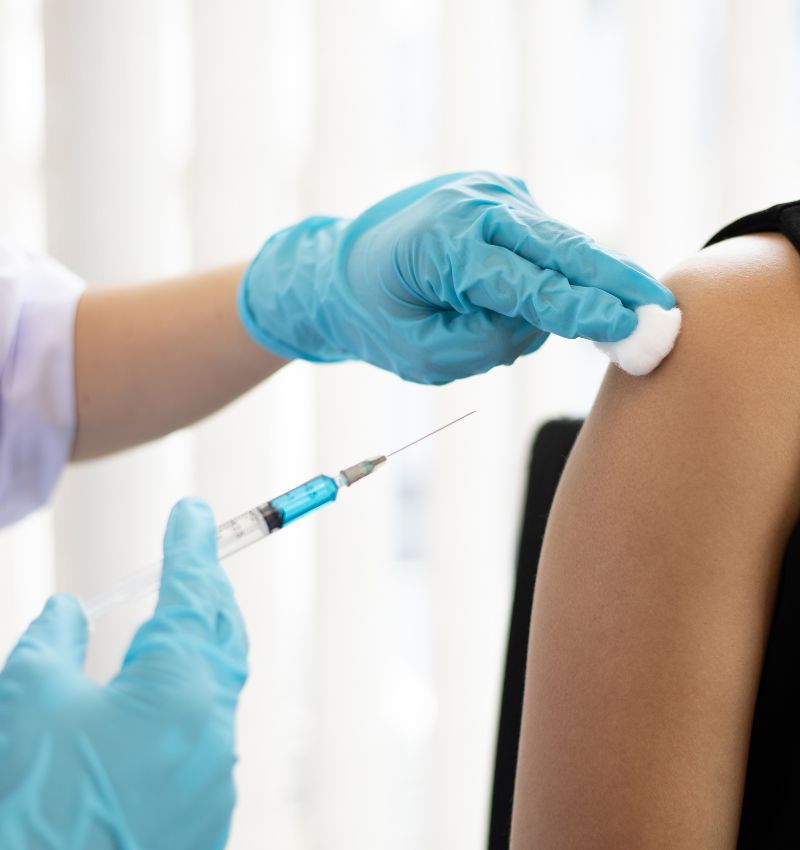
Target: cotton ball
<point>649,344</point>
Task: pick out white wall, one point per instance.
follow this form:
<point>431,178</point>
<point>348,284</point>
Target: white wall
<point>141,138</point>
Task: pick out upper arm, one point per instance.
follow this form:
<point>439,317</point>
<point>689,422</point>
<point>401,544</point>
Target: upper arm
<point>657,575</point>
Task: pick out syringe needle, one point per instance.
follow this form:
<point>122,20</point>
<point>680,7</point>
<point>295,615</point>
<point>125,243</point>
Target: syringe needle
<point>430,434</point>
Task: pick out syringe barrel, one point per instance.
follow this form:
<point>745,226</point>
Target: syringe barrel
<point>135,586</point>
<point>233,535</point>
<point>241,531</point>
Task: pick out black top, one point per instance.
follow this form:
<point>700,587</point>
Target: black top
<point>771,804</point>
<point>782,218</point>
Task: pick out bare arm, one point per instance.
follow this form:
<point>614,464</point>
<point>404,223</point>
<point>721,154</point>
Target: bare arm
<point>151,359</point>
<point>658,572</point>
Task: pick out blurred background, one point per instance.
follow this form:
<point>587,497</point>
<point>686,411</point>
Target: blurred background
<point>141,139</point>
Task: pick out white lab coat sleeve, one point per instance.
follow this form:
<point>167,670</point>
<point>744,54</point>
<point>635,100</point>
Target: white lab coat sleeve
<point>38,300</point>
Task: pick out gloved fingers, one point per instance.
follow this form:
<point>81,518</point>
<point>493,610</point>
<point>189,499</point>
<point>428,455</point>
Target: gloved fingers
<point>59,633</point>
<point>196,608</point>
<point>194,587</point>
<point>191,575</point>
<point>500,280</point>
<point>478,341</point>
<point>551,244</point>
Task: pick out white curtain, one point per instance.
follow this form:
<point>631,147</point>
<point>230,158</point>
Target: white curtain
<point>140,139</point>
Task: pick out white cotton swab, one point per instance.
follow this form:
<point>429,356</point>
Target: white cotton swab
<point>649,344</point>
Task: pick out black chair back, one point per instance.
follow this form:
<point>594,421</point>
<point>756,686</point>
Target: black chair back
<point>551,448</point>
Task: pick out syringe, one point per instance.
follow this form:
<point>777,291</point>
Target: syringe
<point>252,525</point>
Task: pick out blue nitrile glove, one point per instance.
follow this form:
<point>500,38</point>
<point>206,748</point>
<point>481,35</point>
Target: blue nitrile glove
<point>143,763</point>
<point>440,281</point>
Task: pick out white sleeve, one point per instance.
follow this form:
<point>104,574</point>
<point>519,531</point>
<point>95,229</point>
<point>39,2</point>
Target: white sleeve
<point>38,299</point>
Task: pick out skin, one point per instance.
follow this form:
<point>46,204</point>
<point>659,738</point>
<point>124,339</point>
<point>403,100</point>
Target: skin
<point>658,574</point>
<point>152,359</point>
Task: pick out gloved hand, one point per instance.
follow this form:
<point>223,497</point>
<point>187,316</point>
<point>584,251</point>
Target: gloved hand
<point>443,280</point>
<point>144,762</point>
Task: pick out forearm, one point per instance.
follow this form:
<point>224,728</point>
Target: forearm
<point>151,359</point>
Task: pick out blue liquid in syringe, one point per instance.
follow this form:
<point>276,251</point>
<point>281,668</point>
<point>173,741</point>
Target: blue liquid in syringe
<point>305,498</point>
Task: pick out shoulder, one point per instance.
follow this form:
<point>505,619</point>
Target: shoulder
<point>725,404</point>
<point>742,294</point>
<point>741,316</point>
